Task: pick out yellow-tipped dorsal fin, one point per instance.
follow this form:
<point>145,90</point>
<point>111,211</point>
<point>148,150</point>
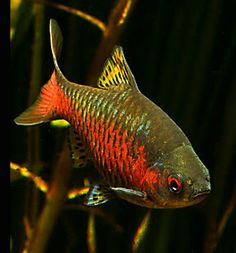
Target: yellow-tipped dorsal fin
<point>116,72</point>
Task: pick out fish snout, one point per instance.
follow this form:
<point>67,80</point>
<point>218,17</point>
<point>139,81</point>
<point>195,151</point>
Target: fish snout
<point>202,191</point>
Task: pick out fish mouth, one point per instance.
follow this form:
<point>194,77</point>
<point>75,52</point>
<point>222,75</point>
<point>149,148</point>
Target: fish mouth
<point>200,195</point>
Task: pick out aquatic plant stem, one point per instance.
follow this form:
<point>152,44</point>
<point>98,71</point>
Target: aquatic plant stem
<point>224,158</point>
<point>91,234</point>
<point>33,154</point>
<point>141,232</point>
<point>230,207</point>
<point>79,13</point>
<point>56,197</point>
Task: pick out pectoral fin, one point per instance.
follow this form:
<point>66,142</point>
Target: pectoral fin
<point>100,194</point>
<point>126,193</point>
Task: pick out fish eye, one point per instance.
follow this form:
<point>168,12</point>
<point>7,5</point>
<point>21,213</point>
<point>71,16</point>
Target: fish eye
<point>174,184</point>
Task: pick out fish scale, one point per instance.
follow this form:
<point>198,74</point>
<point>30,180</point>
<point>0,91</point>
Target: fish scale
<point>141,154</point>
<point>87,127</point>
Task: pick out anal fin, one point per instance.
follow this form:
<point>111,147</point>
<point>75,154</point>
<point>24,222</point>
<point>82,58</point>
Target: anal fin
<point>77,148</point>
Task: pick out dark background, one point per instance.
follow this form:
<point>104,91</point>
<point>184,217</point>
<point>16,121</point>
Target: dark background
<point>183,56</point>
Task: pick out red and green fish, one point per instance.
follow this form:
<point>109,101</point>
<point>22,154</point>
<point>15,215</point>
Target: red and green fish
<point>140,153</point>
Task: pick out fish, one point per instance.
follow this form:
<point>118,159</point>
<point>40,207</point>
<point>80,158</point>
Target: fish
<point>141,155</point>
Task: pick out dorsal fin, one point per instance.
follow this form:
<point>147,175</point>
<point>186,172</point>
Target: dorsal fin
<point>56,41</point>
<point>116,72</point>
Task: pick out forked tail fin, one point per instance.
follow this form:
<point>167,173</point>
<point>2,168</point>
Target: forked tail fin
<point>43,109</point>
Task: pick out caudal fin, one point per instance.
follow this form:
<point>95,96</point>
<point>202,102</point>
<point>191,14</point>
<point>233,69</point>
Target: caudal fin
<point>43,109</point>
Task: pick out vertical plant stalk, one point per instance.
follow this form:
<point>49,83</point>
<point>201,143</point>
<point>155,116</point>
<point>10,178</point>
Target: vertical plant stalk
<point>230,207</point>
<point>224,157</point>
<point>91,234</point>
<point>56,198</point>
<point>202,60</point>
<point>141,232</point>
<point>33,134</point>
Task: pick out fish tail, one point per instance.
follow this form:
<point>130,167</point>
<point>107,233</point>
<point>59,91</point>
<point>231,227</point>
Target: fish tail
<point>43,109</point>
